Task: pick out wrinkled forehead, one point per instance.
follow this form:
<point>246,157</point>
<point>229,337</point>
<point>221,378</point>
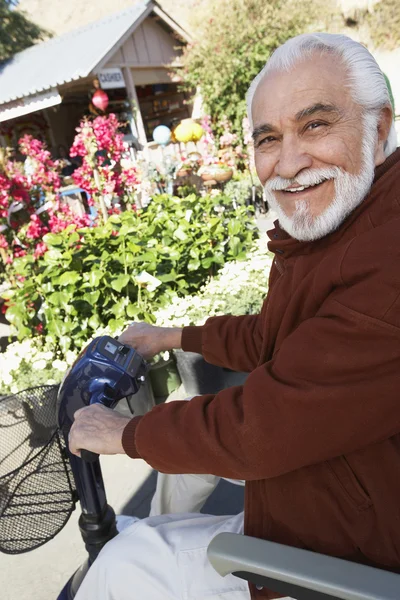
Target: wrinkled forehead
<point>320,78</point>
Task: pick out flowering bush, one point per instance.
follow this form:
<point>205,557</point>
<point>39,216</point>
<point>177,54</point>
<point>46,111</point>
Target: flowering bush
<point>239,288</point>
<point>29,202</point>
<point>128,268</point>
<point>106,173</point>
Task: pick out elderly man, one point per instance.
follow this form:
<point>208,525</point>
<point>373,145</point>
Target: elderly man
<point>315,429</point>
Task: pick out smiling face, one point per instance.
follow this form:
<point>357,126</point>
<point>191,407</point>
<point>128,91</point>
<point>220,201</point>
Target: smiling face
<point>310,145</point>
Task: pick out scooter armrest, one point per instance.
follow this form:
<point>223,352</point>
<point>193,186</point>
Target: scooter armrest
<point>299,573</point>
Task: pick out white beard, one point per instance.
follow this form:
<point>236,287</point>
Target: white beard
<point>350,191</point>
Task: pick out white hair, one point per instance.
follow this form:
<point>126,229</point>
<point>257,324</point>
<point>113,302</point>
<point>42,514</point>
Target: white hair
<point>365,79</point>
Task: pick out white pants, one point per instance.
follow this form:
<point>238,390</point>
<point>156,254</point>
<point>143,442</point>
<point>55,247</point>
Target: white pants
<point>183,493</point>
<point>164,558</point>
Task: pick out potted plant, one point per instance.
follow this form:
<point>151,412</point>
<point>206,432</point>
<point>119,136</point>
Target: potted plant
<point>218,172</point>
<point>164,376</point>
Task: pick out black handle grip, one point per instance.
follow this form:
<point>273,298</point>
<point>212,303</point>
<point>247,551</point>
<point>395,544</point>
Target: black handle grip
<point>88,456</point>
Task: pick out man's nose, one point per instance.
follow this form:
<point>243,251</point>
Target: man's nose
<point>292,158</point>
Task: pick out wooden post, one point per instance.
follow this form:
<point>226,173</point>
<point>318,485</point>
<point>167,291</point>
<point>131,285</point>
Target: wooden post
<point>130,86</point>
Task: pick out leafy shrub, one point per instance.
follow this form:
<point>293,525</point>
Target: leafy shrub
<point>233,42</point>
<point>125,269</point>
<point>239,288</point>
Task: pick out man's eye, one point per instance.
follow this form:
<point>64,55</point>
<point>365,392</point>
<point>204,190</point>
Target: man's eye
<point>314,125</point>
<point>266,140</point>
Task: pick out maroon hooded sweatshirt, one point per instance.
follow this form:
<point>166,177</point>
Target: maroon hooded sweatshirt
<point>315,430</point>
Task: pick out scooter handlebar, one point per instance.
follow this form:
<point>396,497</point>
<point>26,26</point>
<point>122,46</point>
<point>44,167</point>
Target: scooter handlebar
<point>101,391</point>
<point>88,456</point>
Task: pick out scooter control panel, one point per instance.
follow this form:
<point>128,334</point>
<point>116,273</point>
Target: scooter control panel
<point>124,356</point>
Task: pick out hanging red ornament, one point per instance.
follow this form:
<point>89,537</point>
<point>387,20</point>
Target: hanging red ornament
<point>100,100</point>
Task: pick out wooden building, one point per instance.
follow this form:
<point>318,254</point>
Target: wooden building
<point>46,89</point>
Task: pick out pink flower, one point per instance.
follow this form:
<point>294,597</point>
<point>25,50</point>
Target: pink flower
<point>40,249</point>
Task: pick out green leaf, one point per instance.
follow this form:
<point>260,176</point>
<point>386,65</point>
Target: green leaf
<point>145,257</point>
<point>7,295</point>
<point>57,327</point>
<point>132,311</point>
<point>118,308</point>
<point>94,322</point>
<point>134,247</point>
<point>234,227</point>
<point>125,229</point>
<point>235,245</point>
<point>207,262</point>
<point>115,324</point>
<point>52,255</point>
<point>73,238</point>
<point>91,297</point>
<point>60,299</point>
<point>166,277</point>
<point>179,234</point>
<point>193,265</point>
<point>53,239</point>
<point>68,278</point>
<point>120,282</point>
<point>95,277</point>
<point>15,314</point>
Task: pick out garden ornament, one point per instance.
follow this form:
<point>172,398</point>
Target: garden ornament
<point>162,135</point>
<point>100,100</point>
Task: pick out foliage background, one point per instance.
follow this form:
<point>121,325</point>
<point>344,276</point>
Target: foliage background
<point>234,42</point>
<point>17,31</point>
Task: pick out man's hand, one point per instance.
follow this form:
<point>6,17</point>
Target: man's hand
<point>149,340</point>
<point>98,429</point>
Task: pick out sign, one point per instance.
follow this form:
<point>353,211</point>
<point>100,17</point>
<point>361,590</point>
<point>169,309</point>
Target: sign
<point>29,104</point>
<point>111,79</point>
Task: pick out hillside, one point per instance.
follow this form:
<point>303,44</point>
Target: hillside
<point>59,16</point>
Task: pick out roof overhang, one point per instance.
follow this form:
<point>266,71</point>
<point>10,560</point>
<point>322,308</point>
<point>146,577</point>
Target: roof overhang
<point>29,104</point>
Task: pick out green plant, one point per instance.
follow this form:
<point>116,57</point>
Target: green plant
<point>239,288</point>
<point>17,31</point>
<point>125,269</point>
<point>229,51</point>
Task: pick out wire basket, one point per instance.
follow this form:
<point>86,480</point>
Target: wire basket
<point>37,495</point>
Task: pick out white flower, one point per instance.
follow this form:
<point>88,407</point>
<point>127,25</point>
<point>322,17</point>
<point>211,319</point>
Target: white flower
<point>60,365</point>
<point>70,357</point>
<point>151,282</point>
<point>7,378</point>
<point>39,364</point>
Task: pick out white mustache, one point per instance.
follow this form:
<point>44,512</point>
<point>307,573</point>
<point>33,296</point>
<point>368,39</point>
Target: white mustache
<point>305,178</point>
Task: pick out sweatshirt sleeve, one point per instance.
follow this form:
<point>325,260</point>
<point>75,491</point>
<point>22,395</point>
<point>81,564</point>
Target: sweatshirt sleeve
<point>327,391</point>
<point>231,342</point>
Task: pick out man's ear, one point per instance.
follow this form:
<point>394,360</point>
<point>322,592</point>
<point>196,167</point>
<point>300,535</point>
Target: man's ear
<point>384,125</point>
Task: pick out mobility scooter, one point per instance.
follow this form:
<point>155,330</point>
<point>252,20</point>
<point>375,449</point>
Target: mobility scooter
<point>41,482</point>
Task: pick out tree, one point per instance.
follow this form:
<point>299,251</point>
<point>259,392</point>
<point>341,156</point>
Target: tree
<point>384,24</point>
<point>17,32</point>
<point>234,39</point>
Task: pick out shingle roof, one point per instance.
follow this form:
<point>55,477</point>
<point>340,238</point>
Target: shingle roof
<point>66,58</point>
